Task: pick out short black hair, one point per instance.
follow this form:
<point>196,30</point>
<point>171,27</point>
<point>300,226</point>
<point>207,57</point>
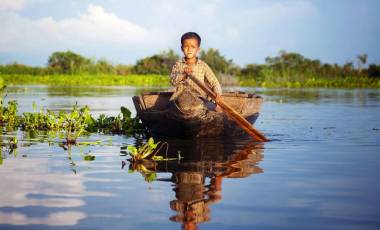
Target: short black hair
<point>189,35</point>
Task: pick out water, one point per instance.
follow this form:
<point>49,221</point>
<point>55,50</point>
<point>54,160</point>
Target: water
<point>320,171</point>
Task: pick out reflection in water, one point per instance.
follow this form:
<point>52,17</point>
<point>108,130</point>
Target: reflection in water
<point>198,176</point>
<point>29,184</point>
<point>54,219</point>
<point>101,99</point>
<point>321,181</point>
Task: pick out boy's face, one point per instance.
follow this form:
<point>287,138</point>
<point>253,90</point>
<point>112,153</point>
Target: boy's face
<point>190,48</point>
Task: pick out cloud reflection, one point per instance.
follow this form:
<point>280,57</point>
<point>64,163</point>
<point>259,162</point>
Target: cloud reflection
<point>54,219</point>
<point>29,182</point>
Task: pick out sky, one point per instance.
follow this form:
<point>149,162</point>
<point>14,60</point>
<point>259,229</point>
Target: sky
<point>123,31</point>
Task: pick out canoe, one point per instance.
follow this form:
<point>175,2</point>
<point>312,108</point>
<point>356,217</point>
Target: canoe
<point>189,116</point>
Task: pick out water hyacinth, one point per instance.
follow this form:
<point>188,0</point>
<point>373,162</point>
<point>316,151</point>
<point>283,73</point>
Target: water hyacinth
<point>71,124</point>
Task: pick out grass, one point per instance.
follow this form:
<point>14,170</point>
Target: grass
<point>162,81</point>
<point>322,82</point>
<point>87,79</point>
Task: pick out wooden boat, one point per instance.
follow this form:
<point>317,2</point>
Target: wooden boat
<point>189,116</point>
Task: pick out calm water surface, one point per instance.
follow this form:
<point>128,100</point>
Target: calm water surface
<point>320,171</point>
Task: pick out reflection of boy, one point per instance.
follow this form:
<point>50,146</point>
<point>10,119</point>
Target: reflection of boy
<point>194,198</point>
<point>191,65</point>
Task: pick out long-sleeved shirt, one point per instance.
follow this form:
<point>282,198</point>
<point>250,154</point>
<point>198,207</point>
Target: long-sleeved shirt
<point>201,71</point>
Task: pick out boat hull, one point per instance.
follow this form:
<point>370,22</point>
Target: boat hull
<point>161,117</point>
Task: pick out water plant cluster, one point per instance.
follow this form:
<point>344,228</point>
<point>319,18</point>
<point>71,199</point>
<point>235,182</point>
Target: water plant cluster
<point>72,123</point>
<point>146,154</point>
<point>148,151</point>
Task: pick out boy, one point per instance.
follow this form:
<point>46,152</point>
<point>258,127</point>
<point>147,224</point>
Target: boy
<point>191,65</point>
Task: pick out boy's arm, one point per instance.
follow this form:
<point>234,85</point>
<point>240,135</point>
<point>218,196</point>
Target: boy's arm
<point>176,75</point>
<point>212,80</point>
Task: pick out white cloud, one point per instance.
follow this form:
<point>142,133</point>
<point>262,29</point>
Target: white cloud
<point>244,31</point>
<point>95,26</point>
<point>13,5</point>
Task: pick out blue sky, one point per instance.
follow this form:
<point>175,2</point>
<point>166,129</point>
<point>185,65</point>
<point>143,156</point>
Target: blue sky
<point>245,31</point>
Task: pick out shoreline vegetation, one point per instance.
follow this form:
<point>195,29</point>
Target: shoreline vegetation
<point>286,70</point>
<point>87,79</point>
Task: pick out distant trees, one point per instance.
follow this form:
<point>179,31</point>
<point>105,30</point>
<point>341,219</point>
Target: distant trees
<point>284,66</point>
<point>216,61</point>
<point>374,71</point>
<point>17,68</point>
<point>290,64</point>
<point>362,60</point>
<point>104,67</point>
<point>157,64</point>
<point>67,62</point>
<point>254,71</point>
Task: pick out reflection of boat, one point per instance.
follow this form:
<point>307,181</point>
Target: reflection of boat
<point>211,157</point>
<point>188,116</point>
<point>203,158</point>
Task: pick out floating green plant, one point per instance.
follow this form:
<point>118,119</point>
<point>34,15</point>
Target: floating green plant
<point>146,156</point>
<point>12,142</point>
<point>149,151</point>
<point>88,157</point>
<point>70,125</point>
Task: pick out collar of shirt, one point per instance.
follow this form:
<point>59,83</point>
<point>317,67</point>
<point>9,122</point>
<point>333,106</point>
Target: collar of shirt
<point>184,61</point>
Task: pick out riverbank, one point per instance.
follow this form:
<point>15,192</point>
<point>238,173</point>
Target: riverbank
<point>163,80</point>
<point>323,82</point>
<point>87,79</point>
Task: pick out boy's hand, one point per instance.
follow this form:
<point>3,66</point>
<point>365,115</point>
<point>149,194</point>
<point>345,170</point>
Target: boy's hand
<point>188,70</point>
<point>218,97</point>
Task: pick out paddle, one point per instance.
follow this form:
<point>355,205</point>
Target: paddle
<point>230,112</point>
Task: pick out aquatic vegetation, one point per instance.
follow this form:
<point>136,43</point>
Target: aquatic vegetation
<point>88,157</point>
<point>146,151</point>
<point>71,124</point>
<point>121,124</point>
<point>144,155</point>
<point>12,142</point>
<point>8,114</point>
<point>148,175</point>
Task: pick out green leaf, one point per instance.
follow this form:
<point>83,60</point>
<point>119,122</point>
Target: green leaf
<point>157,158</point>
<point>145,155</point>
<point>132,150</point>
<point>126,113</point>
<point>161,158</point>
<point>150,177</point>
<point>89,157</point>
<point>151,143</point>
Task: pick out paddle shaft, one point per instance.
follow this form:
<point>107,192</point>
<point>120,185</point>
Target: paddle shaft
<point>241,121</point>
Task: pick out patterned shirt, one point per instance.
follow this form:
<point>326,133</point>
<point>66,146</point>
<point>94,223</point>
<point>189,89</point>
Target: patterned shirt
<point>201,71</point>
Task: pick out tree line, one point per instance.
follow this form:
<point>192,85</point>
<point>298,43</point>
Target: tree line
<point>284,65</point>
